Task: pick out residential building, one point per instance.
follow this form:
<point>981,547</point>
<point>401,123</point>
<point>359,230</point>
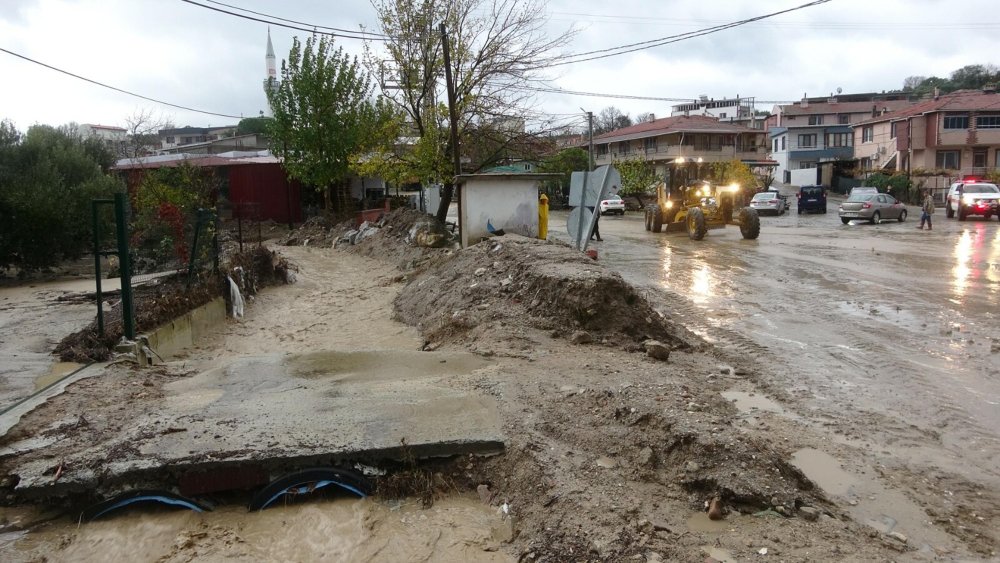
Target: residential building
<point>957,132</point>
<point>249,142</point>
<point>816,130</point>
<point>116,138</point>
<point>677,147</point>
<point>172,138</point>
<point>735,110</point>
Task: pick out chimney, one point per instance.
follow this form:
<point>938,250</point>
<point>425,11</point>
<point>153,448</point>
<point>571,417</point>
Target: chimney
<point>937,92</point>
<point>805,101</point>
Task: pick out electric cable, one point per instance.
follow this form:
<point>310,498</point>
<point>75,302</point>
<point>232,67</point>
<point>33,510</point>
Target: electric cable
<point>116,89</point>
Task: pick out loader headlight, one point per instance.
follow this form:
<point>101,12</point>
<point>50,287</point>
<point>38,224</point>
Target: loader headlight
<point>670,204</point>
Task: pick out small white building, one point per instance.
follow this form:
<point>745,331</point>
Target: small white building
<point>495,202</point>
<point>115,138</point>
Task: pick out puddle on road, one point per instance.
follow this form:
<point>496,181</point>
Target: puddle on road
<point>381,364</point>
<point>824,470</point>
<point>750,402</point>
<point>719,554</point>
<point>700,522</point>
<point>58,371</point>
<point>455,529</point>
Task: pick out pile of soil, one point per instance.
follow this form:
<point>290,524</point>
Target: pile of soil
<point>315,231</point>
<point>515,280</point>
<point>402,240</point>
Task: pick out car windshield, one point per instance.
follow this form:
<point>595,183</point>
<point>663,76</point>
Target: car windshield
<point>860,197</point>
<point>614,198</point>
<point>765,196</point>
<point>980,189</point>
<point>812,191</point>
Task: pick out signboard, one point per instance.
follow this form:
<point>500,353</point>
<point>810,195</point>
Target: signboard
<point>589,188</point>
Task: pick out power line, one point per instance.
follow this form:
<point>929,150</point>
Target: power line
<point>633,20</point>
<point>313,29</point>
<point>642,45</point>
<point>116,89</point>
<point>379,35</point>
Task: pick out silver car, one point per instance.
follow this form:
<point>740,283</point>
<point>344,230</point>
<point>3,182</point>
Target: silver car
<point>768,202</point>
<point>872,207</point>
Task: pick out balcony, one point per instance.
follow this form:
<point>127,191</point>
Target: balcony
<point>710,153</point>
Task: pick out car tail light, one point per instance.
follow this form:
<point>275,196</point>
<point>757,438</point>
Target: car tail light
<point>866,205</point>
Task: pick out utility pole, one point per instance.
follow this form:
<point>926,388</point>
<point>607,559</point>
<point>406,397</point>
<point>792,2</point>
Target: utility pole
<point>590,133</point>
<point>442,212</point>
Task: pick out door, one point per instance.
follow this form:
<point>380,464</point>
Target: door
<point>979,161</point>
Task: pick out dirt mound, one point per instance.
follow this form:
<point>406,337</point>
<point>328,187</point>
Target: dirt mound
<point>406,238</point>
<point>315,231</point>
<point>512,282</point>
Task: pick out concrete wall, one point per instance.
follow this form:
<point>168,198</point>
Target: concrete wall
<point>170,339</point>
<point>511,205</point>
<point>803,177</point>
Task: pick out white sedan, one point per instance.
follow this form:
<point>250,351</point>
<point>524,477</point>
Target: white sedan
<point>613,205</point>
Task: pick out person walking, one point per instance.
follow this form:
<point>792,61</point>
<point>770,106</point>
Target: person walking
<point>597,224</point>
<point>927,210</point>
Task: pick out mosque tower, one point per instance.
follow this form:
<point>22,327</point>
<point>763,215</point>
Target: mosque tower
<point>271,82</point>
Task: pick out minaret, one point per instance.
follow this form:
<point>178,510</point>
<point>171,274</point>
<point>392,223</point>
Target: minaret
<point>271,82</point>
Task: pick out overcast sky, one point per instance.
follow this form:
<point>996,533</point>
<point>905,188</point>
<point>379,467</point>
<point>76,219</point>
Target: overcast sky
<point>190,56</point>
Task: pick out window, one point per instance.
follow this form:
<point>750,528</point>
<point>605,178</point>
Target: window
<point>775,145</point>
<point>602,149</point>
<point>186,140</point>
<point>866,163</point>
<point>839,139</point>
<point>867,134</point>
<point>988,122</point>
<point>170,140</point>
<point>807,141</point>
<point>844,119</point>
<point>815,120</point>
<point>649,144</point>
<point>722,115</point>
<point>623,147</point>
<point>892,130</point>
<point>948,159</point>
<point>783,143</point>
<point>803,165</point>
<point>956,121</point>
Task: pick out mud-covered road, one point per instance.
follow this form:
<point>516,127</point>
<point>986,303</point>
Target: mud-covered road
<point>886,334</point>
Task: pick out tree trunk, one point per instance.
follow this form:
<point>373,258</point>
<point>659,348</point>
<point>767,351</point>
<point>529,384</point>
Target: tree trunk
<point>446,194</point>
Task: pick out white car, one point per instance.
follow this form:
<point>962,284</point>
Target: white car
<point>613,204</point>
<point>972,198</point>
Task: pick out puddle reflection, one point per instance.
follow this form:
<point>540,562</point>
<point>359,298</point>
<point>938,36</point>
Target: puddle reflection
<point>701,285</point>
<point>975,255</point>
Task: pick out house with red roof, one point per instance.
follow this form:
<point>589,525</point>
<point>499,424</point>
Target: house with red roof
<point>957,132</point>
<point>677,147</point>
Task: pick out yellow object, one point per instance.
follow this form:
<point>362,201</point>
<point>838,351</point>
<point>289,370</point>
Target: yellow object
<point>543,216</point>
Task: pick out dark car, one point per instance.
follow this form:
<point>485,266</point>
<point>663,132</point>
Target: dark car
<point>812,198</point>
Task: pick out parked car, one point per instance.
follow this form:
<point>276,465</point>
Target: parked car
<point>972,198</point>
<point>872,208</point>
<point>768,202</point>
<point>613,205</point>
<point>863,190</point>
<point>812,198</point>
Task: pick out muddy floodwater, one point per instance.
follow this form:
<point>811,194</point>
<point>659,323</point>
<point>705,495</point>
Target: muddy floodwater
<point>455,529</point>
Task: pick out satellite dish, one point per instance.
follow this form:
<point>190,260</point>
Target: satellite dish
<point>839,89</point>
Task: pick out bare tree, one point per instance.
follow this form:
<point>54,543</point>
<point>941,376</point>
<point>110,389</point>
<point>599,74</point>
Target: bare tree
<point>609,119</point>
<point>911,82</point>
<point>497,47</point>
<point>645,117</point>
<point>142,130</point>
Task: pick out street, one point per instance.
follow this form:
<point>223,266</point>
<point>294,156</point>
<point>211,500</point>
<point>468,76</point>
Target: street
<point>884,334</point>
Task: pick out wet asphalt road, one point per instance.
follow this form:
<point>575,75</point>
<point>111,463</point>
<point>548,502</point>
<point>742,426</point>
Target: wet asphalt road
<point>884,331</point>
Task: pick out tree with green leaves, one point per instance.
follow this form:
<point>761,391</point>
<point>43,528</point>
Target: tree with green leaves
<point>564,163</point>
<point>497,46</point>
<point>47,180</point>
<point>638,176</point>
<point>254,125</point>
<point>324,112</point>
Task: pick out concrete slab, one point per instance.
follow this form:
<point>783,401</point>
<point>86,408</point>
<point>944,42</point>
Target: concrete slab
<point>289,411</point>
